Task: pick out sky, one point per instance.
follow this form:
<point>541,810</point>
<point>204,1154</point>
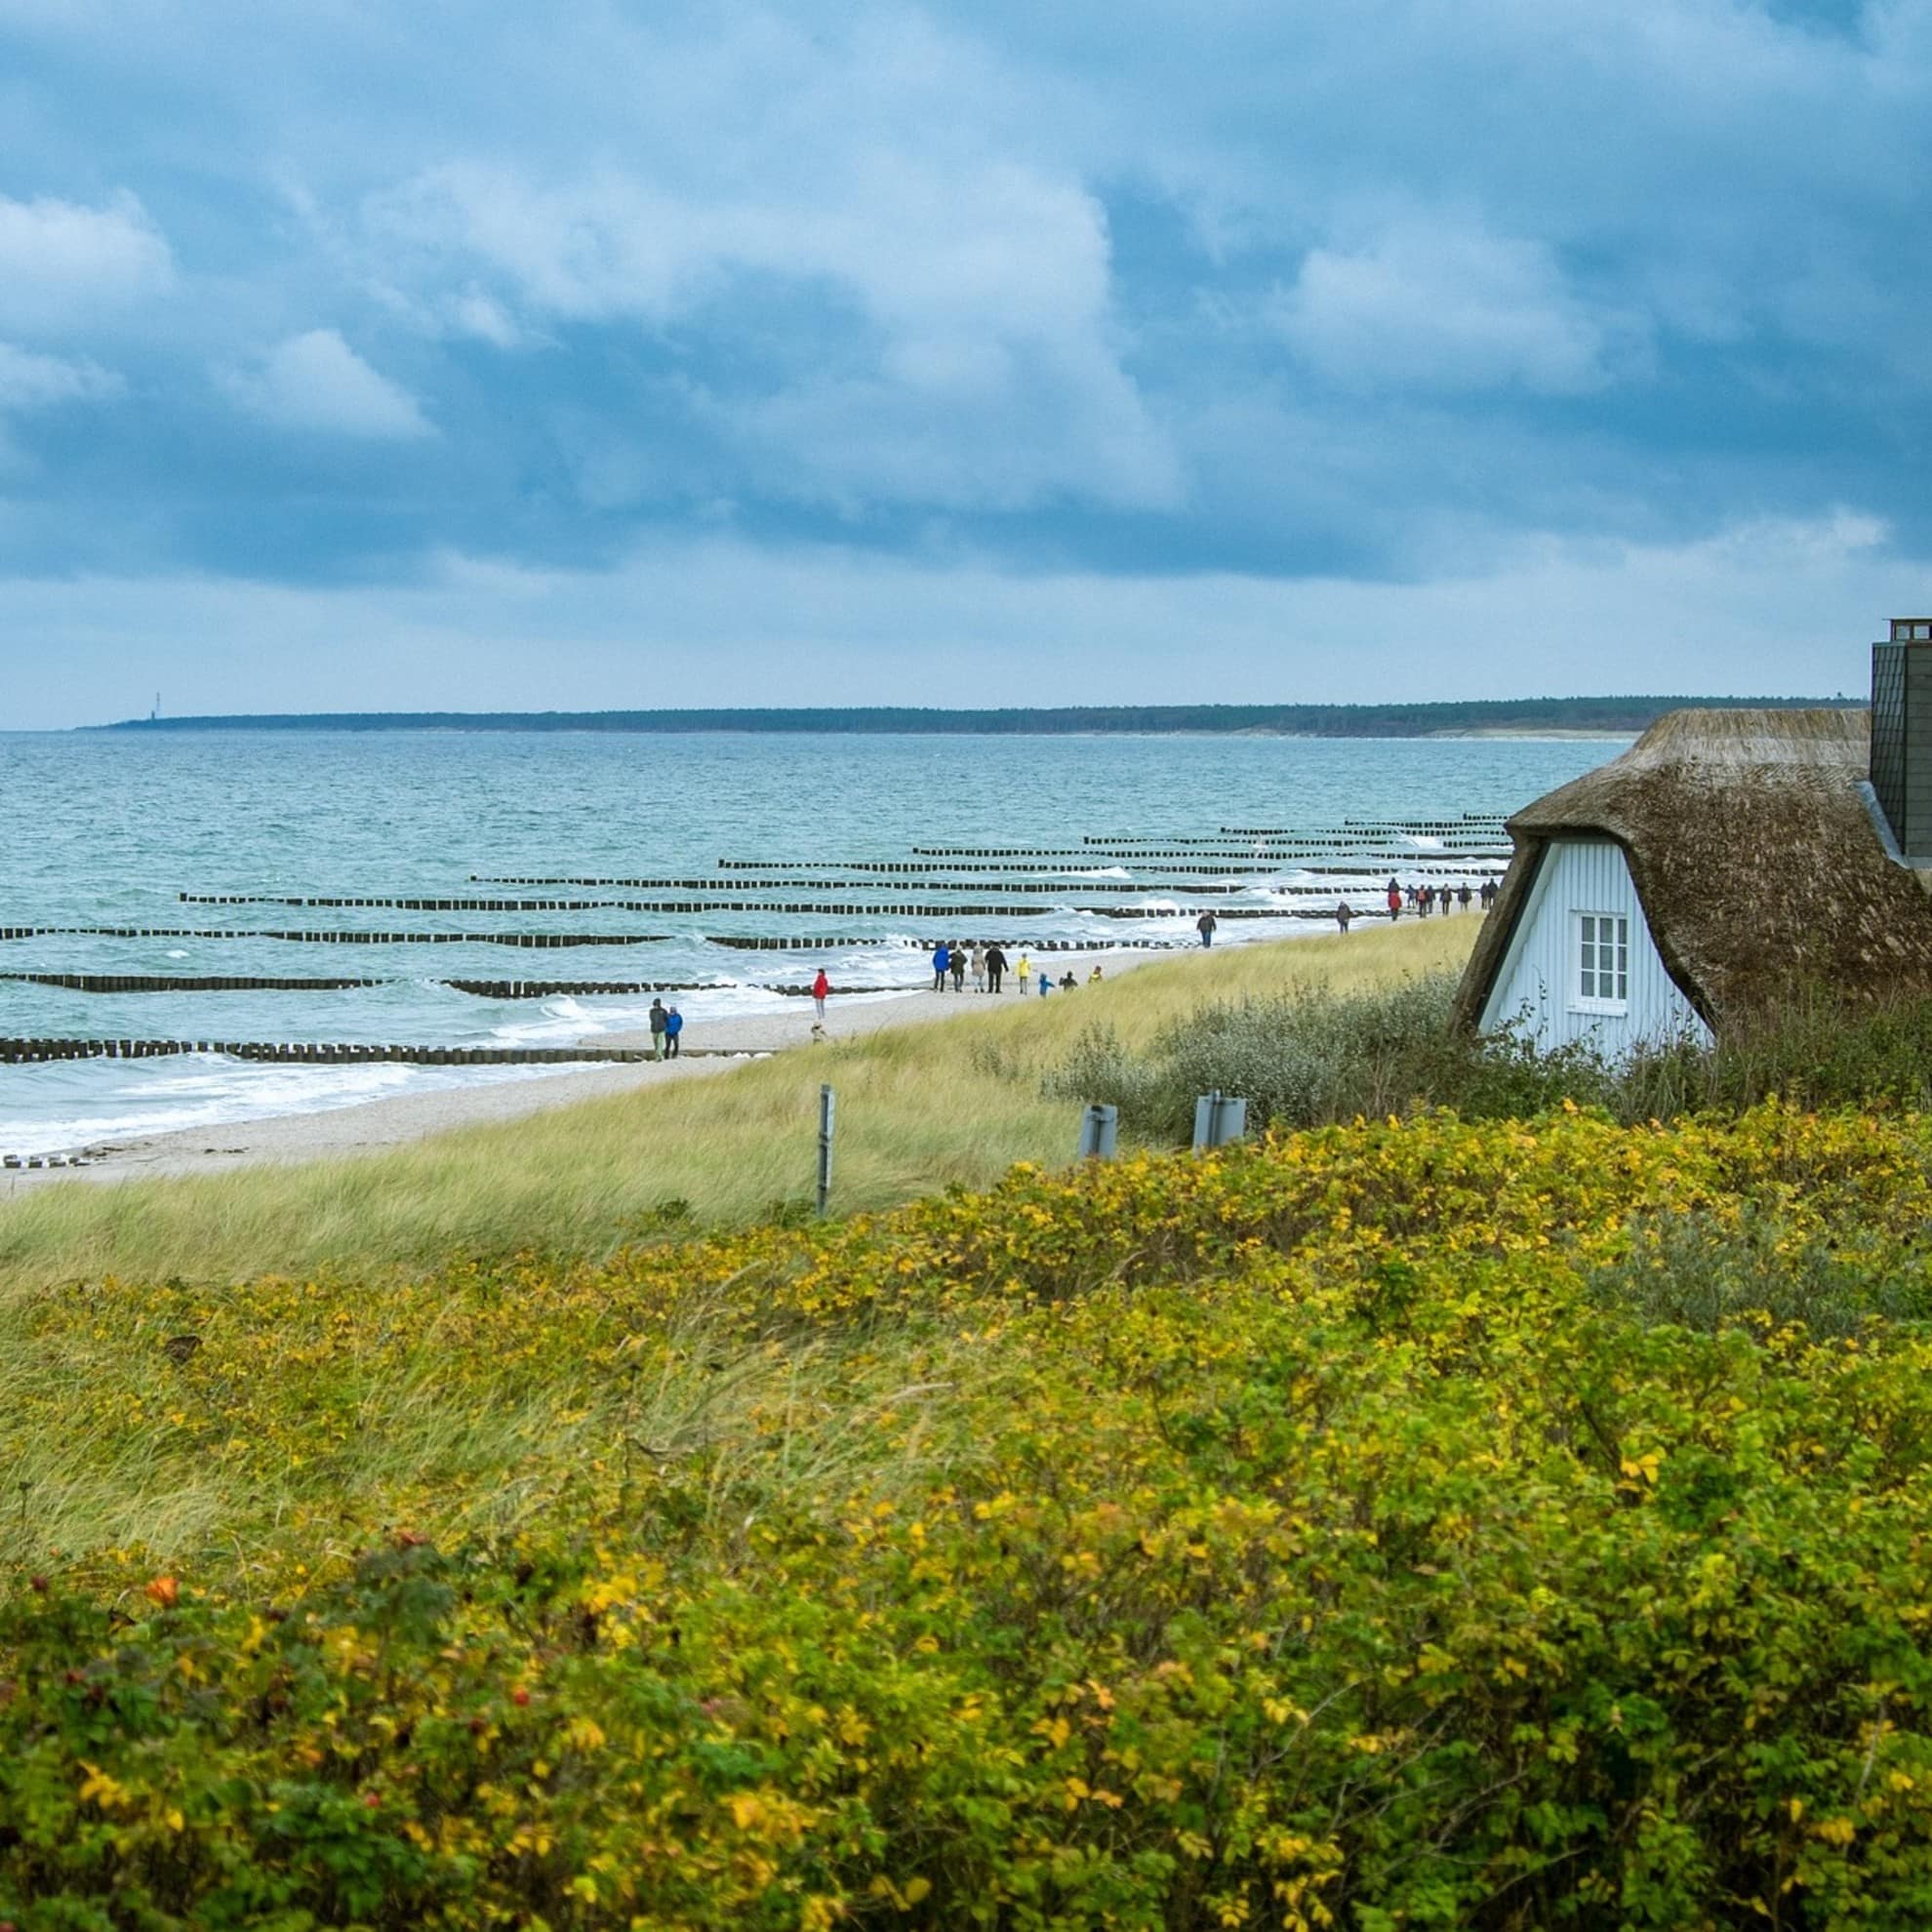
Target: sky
<point>361,357</point>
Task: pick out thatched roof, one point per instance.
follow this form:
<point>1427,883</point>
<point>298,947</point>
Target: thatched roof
<point>1756,858</point>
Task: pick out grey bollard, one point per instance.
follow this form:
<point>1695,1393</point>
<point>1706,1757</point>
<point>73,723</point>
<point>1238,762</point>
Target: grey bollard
<point>1218,1119</point>
<point>827,1122</point>
<point>1100,1132</point>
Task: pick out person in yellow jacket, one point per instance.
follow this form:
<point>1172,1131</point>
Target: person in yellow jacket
<point>1022,969</point>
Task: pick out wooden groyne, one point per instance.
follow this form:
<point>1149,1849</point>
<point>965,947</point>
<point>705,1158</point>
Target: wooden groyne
<point>334,938</point>
<point>16,1052</point>
<point>832,908</point>
<point>184,983</point>
<point>996,876</point>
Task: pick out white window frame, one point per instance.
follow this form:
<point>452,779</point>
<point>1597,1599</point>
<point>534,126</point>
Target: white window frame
<point>1596,1002</point>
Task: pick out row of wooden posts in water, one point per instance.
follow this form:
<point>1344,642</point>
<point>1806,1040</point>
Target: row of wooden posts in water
<point>16,1052</point>
<point>942,915</point>
<point>186,982</point>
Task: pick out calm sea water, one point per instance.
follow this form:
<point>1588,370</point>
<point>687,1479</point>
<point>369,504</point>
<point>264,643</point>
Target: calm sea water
<point>107,831</point>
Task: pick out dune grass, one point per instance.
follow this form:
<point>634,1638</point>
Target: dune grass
<point>920,1108</point>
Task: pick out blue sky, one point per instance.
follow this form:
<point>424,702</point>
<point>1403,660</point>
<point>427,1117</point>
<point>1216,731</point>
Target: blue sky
<point>357,356</point>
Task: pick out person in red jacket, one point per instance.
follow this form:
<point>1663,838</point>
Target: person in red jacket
<point>1395,900</point>
<point>821,986</point>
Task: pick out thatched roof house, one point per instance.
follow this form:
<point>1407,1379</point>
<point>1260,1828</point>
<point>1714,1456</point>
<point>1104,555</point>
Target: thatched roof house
<point>1726,859</point>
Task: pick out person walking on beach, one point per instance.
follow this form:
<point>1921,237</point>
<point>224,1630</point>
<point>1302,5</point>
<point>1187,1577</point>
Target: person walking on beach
<point>1025,967</point>
<point>1046,982</point>
<point>657,1027</point>
<point>673,1030</point>
<point>942,960</point>
<point>1344,913</point>
<point>1067,982</point>
<point>995,966</point>
<point>1094,977</point>
<point>1394,901</point>
<point>821,986</point>
<point>1463,894</point>
<point>1205,926</point>
<point>958,967</point>
<point>979,967</point>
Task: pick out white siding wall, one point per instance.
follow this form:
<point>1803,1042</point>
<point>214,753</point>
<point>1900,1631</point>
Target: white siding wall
<point>1536,986</point>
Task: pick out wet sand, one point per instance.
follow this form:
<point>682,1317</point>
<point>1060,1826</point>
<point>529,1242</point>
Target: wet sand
<point>371,1127</point>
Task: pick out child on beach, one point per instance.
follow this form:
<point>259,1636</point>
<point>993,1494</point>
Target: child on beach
<point>1022,972</point>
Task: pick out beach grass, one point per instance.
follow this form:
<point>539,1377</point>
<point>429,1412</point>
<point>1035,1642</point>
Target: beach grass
<point>920,1108</point>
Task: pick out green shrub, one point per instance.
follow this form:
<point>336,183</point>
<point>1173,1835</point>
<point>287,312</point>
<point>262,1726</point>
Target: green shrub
<point>1300,1538</point>
<point>1314,1057</point>
<point>1817,1049</point>
<point>1751,1269</point>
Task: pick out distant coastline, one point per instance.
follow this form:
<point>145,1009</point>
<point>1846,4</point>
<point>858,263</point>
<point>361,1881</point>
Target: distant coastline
<point>1525,717</point>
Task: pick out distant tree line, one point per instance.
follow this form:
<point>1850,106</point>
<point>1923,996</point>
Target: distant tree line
<point>1618,714</point>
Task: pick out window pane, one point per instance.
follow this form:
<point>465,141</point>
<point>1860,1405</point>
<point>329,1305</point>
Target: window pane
<point>1603,957</point>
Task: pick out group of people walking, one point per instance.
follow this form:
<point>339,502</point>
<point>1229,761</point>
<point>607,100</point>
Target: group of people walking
<point>986,966</point>
<point>954,962</point>
<point>1422,899</point>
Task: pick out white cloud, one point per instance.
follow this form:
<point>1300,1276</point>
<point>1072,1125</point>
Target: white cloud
<point>982,291</point>
<point>316,382</point>
<point>36,382</point>
<point>1449,307</point>
<point>475,313</point>
<point>62,263</point>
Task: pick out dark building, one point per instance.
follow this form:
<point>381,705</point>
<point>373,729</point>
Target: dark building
<point>1901,734</point>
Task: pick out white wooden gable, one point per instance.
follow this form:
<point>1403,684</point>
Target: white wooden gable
<point>1582,965</point>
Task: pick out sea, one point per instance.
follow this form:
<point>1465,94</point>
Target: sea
<point>186,855</point>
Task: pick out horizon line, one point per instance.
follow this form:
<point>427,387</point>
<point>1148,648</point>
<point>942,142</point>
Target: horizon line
<point>1580,710</point>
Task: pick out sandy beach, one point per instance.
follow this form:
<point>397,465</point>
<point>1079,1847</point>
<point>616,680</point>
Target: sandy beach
<point>371,1127</point>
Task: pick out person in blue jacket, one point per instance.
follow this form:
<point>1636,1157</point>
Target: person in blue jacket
<point>942,959</point>
<point>673,1027</point>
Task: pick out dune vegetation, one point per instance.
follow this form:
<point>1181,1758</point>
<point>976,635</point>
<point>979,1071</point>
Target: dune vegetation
<point>1413,1523</point>
<point>1408,1522</point>
<point>920,1108</point>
